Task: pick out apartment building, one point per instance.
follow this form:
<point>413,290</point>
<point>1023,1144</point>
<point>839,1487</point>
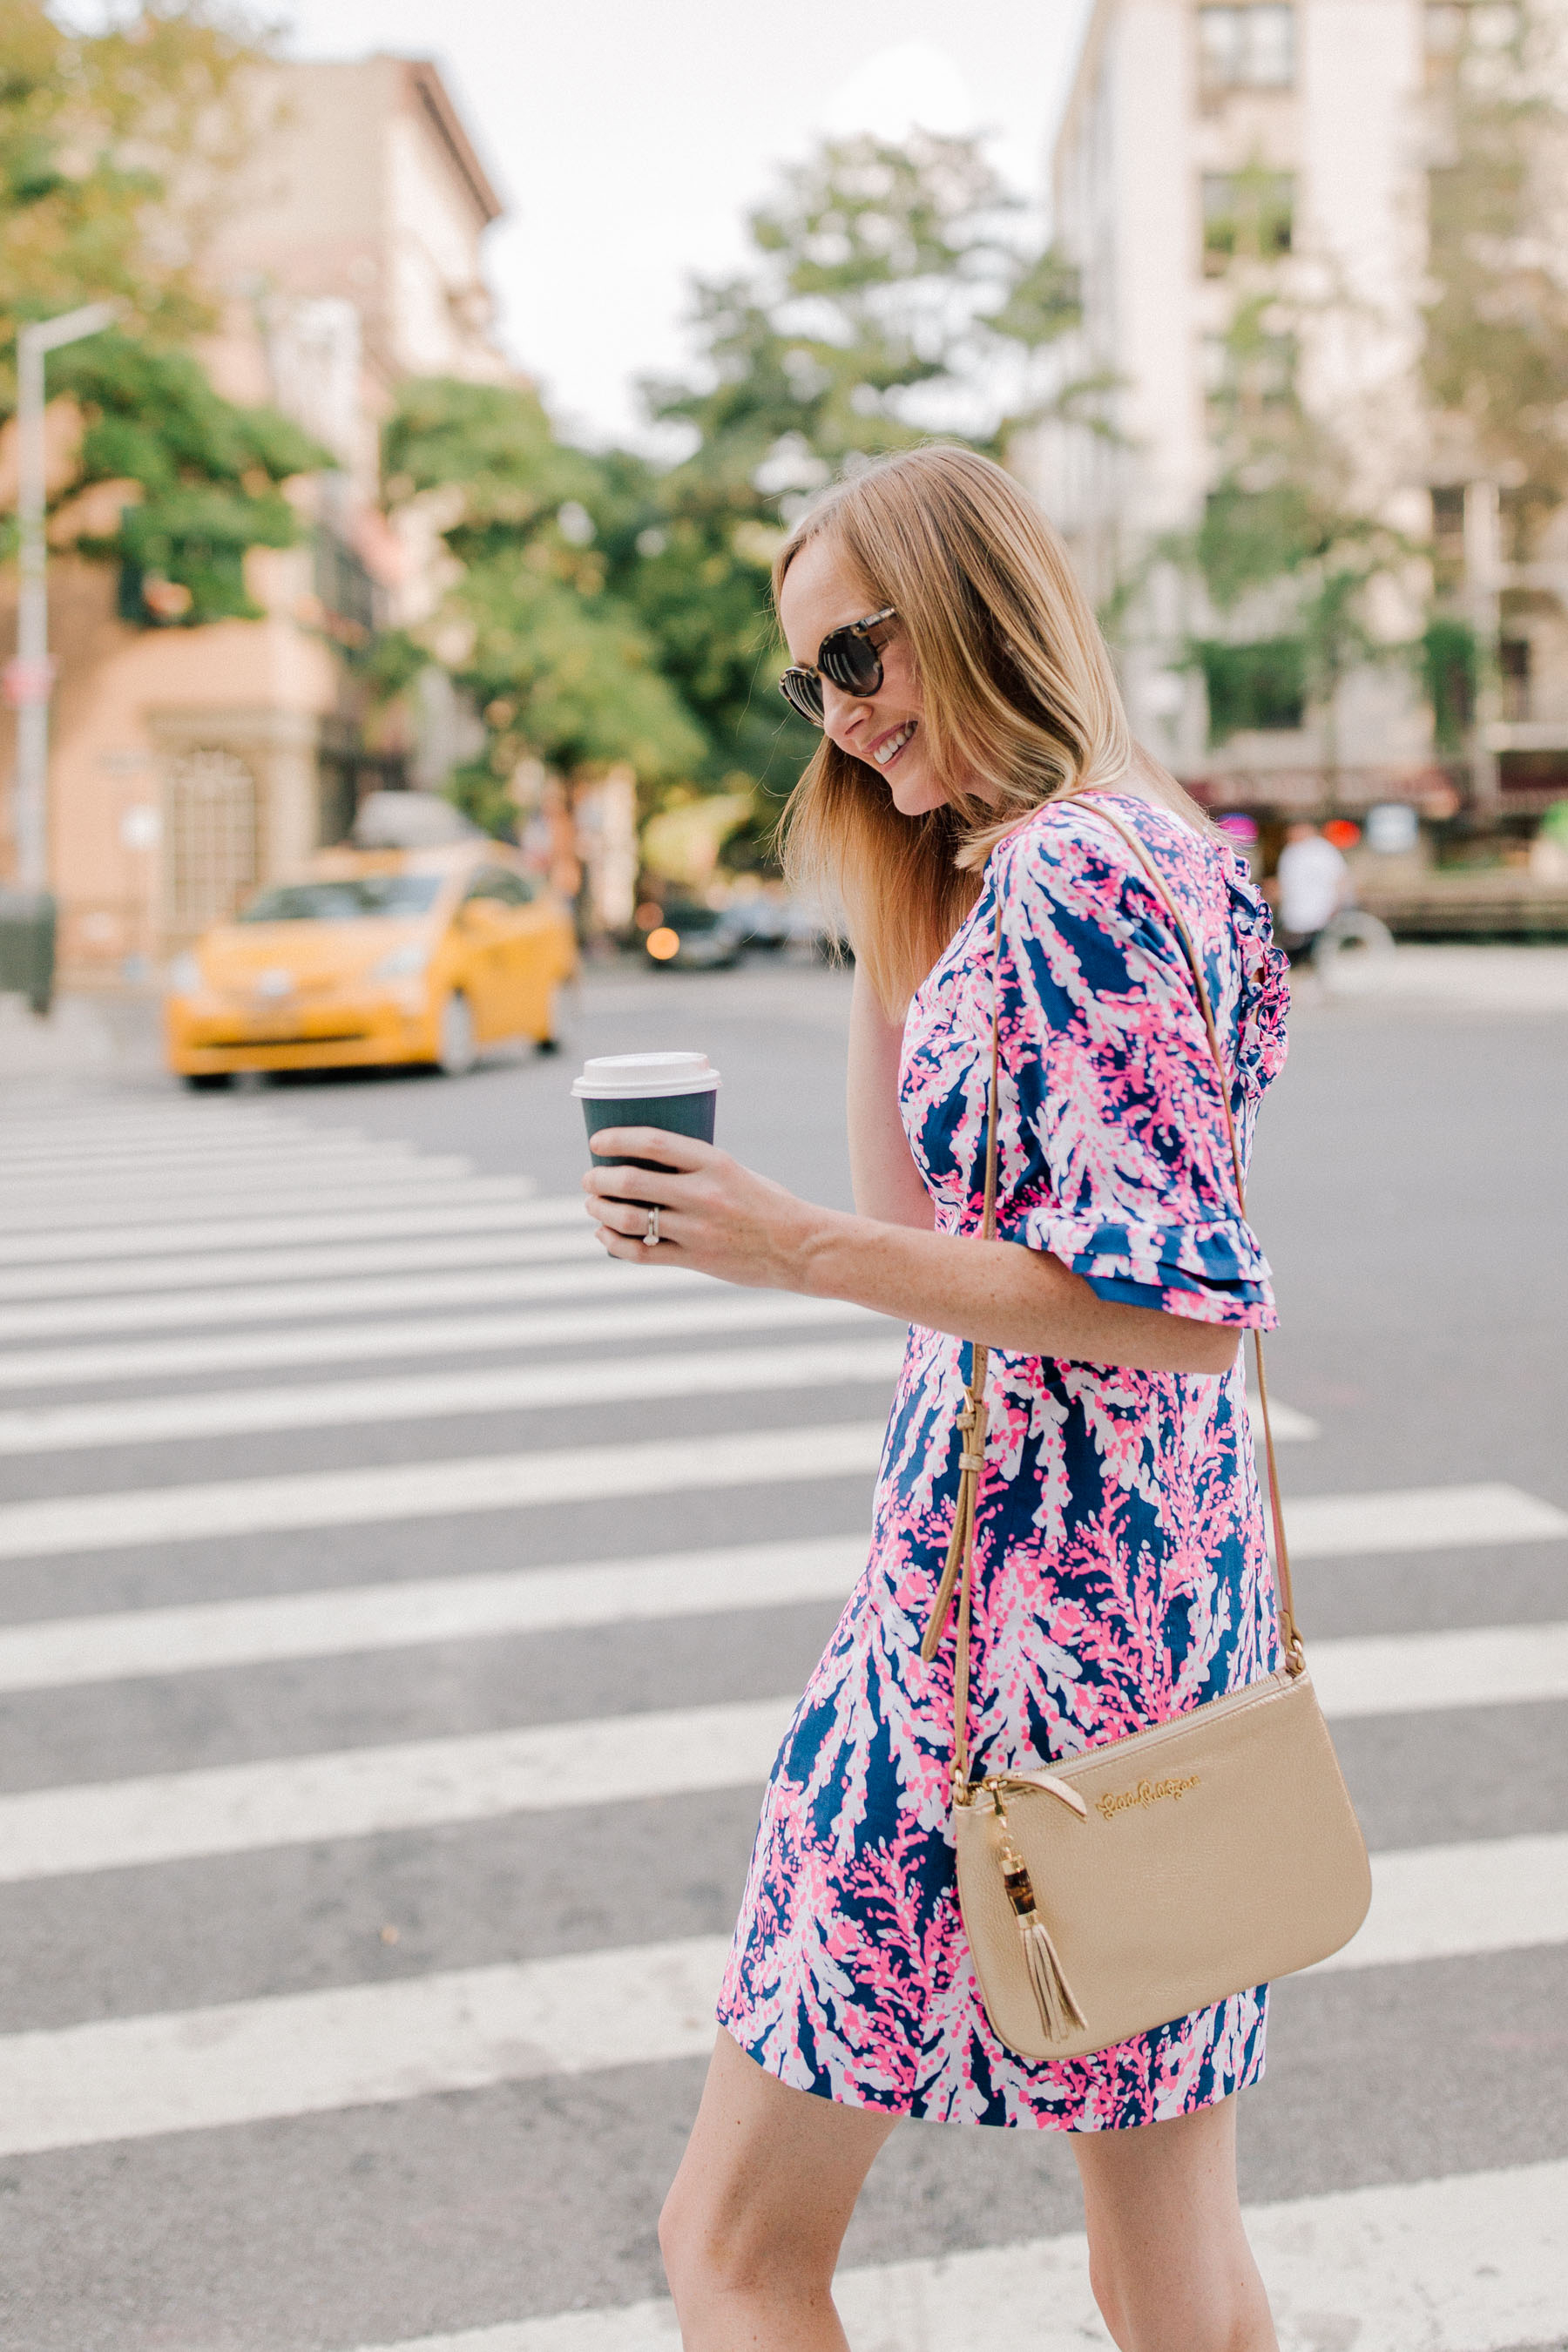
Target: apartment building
<point>1243,188</point>
<point>189,764</point>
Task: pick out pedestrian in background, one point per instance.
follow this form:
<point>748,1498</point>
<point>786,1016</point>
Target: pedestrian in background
<point>1121,1573</point>
<point>1310,886</point>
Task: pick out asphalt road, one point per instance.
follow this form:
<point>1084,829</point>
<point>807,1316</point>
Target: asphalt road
<point>368,1832</point>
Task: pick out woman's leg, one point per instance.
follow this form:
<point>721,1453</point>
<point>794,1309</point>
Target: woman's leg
<point>752,2227</point>
<point>1168,2257</point>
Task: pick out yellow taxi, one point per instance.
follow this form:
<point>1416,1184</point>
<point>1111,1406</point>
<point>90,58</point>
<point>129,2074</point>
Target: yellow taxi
<point>373,956</point>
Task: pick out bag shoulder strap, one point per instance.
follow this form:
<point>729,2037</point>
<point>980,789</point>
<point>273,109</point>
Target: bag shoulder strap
<point>959,1565</point>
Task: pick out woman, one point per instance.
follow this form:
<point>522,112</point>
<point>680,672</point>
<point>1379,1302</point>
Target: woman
<point>1122,1573</point>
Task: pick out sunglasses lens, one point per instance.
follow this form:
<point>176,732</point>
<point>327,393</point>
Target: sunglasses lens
<point>851,661</point>
<point>804,692</point>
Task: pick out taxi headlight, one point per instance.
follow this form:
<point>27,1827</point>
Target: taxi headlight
<point>185,976</point>
<point>406,962</point>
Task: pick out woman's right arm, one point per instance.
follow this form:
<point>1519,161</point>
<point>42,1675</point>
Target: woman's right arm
<point>887,1185</point>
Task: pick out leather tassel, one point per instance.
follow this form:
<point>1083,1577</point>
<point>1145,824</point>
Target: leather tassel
<point>1053,1995</point>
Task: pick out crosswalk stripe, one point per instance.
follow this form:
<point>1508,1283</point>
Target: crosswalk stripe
<point>273,1193</point>
<point>429,1396</point>
<point>286,1302</point>
<point>180,1164</point>
<point>102,1284</point>
<point>364,1791</point>
<point>462,2029</point>
<point>1418,1518</point>
<point>486,1482</point>
<point>1371,1675</point>
<point>55,1653</point>
<point>1449,1902</point>
<point>73,1187</point>
<point>1320,1526</point>
<point>1469,2264</point>
<point>350,1225</point>
<point>689,1303</point>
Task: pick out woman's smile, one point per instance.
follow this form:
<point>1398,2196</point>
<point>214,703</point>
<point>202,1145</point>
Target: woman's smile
<point>886,748</point>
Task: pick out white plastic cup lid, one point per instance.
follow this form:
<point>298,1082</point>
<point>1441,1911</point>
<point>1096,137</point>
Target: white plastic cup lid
<point>609,1076</point>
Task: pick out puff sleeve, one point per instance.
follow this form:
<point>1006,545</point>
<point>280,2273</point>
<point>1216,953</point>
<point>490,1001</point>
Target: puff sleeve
<point>1124,1171</point>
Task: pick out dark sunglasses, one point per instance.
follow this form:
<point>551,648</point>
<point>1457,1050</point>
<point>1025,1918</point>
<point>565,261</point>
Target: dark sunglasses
<point>846,658</point>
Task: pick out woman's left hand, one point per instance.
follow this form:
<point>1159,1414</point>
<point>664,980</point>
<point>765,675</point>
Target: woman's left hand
<point>713,1214</point>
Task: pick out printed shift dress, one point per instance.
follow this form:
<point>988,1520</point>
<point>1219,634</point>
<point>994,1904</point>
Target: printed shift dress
<point>1121,1573</point>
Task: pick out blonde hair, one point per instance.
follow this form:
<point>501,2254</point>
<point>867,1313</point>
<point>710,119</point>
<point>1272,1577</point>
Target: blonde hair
<point>1018,693</point>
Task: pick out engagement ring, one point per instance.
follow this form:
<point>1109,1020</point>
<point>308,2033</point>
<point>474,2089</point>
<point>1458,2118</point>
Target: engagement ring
<point>650,1237</point>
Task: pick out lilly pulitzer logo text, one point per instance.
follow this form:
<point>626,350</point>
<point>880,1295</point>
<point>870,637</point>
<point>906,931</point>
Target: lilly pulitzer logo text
<point>1146,1793</point>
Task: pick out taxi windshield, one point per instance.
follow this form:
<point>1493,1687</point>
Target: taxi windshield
<point>347,900</point>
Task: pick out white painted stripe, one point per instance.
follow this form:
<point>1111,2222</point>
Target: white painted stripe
<point>292,1302</point>
<point>284,1195</point>
<point>1465,1665</point>
<point>362,1791</point>
<point>362,2046</point>
<point>423,1490</point>
<point>503,1210</point>
<point>146,1241</point>
<point>1470,2263</point>
<point>370,2044</point>
<point>96,1284</point>
<point>660,1306</point>
<point>515,1482</point>
<point>1290,1427</point>
<point>1418,1518</point>
<point>56,1652</point>
<point>125,1200</point>
<point>1449,1902</point>
<point>1486,1665</point>
<point>432,1396</point>
<point>192,1163</point>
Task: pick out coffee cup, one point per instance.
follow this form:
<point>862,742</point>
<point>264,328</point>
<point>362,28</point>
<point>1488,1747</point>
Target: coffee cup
<point>675,1091</point>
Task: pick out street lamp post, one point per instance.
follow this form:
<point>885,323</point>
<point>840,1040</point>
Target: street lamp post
<point>29,676</point>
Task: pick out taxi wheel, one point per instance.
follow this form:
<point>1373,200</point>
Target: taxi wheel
<point>458,1050</point>
<point>207,1082</point>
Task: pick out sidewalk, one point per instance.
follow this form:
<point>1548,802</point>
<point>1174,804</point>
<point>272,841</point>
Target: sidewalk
<point>1455,979</point>
<point>98,1036</point>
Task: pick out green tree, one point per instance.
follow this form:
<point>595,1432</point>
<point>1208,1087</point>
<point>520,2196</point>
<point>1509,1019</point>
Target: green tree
<point>1496,349</point>
<point>560,666</point>
<point>891,298</point>
<point>114,147</point>
<point>205,476</point>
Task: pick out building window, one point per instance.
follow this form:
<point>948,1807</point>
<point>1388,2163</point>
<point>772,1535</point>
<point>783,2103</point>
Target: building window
<point>1513,664</point>
<point>1249,214</point>
<point>1246,47</point>
<point>210,839</point>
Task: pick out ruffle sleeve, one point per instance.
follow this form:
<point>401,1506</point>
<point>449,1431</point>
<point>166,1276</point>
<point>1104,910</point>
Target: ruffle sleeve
<point>1127,1175</point>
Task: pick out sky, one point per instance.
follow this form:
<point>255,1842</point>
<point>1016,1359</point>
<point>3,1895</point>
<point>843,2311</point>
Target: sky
<point>630,137</point>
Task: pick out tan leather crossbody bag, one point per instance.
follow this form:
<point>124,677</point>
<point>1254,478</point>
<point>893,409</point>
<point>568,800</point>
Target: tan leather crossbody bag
<point>1123,1888</point>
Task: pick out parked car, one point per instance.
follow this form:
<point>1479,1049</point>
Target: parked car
<point>696,939</point>
<point>373,956</point>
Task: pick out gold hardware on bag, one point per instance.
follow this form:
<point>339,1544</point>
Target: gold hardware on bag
<point>1160,1909</point>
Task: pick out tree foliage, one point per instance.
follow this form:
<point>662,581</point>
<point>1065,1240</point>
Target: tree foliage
<point>891,298</point>
<point>1496,349</point>
<point>114,147</point>
<point>559,663</point>
<point>206,474</point>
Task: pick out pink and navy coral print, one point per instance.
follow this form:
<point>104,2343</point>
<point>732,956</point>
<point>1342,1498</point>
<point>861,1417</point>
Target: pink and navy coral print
<point>1121,1571</point>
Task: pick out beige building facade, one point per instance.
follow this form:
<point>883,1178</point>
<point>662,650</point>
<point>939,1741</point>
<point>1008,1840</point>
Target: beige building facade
<point>1208,156</point>
<point>189,764</point>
